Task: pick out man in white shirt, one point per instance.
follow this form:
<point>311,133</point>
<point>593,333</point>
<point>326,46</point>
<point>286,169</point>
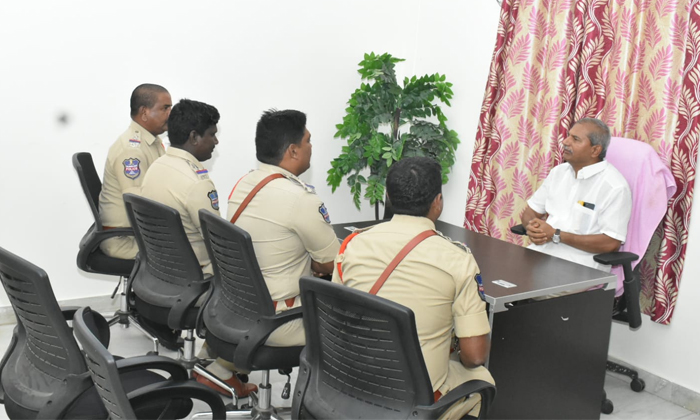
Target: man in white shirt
<point>584,205</point>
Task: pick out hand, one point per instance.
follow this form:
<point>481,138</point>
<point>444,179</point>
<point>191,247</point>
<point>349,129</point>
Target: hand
<point>539,231</point>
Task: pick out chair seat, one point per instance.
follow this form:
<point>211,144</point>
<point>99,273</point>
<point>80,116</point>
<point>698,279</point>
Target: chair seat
<point>265,358</point>
<point>99,262</point>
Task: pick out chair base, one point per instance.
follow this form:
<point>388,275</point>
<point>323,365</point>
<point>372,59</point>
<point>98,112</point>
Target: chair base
<point>262,409</point>
<point>637,384</point>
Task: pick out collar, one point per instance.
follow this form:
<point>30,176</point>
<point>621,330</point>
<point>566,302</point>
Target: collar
<point>419,221</point>
<point>592,170</point>
<point>273,169</point>
<point>183,154</point>
<point>143,134</point>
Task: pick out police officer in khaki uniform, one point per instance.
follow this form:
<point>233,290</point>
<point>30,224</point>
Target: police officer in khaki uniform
<point>179,180</point>
<point>438,279</point>
<point>128,160</point>
<point>288,222</point>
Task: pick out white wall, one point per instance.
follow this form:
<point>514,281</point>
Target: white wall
<point>83,58</point>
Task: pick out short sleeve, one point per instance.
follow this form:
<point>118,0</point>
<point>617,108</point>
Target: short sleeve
<point>311,222</point>
<point>615,216</point>
<point>538,200</point>
<point>469,311</point>
<point>130,166</point>
<point>202,195</point>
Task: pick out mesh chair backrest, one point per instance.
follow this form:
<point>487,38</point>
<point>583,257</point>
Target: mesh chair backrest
<point>239,290</point>
<point>102,367</point>
<point>48,350</point>
<point>364,352</point>
<point>90,181</point>
<point>167,258</point>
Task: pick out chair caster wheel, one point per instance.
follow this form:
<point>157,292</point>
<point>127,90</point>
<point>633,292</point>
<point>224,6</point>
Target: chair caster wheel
<point>152,353</point>
<point>637,385</point>
<point>606,407</point>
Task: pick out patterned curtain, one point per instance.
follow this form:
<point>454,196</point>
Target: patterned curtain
<point>632,63</point>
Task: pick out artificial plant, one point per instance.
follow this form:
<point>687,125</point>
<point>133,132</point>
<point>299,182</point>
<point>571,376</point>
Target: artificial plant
<point>386,122</point>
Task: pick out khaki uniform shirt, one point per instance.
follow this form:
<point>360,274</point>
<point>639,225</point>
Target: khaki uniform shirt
<point>289,225</point>
<point>127,162</point>
<point>436,280</point>
<point>180,181</point>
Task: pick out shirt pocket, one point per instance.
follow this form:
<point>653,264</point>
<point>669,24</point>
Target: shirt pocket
<point>582,219</point>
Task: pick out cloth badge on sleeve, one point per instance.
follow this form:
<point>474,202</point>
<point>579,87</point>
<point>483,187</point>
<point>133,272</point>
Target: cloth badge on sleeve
<point>214,198</point>
<point>480,285</point>
<point>134,143</point>
<point>202,173</point>
<point>324,212</point>
<point>131,168</point>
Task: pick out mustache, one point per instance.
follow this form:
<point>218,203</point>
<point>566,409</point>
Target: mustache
<point>567,149</point>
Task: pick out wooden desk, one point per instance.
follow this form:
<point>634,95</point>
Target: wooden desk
<point>547,357</point>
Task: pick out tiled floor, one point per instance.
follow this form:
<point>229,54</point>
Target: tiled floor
<point>628,404</point>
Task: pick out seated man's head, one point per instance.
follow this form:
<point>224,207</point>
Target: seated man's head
<point>587,143</point>
<point>281,139</point>
<point>414,187</point>
<point>150,107</point>
<point>192,127</point>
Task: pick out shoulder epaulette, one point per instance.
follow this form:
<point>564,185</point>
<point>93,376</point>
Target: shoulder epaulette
<point>308,188</point>
<point>458,244</point>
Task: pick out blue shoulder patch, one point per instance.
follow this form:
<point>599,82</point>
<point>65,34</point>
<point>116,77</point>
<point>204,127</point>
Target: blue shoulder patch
<point>324,212</point>
<point>480,286</point>
<point>214,198</point>
<point>131,168</point>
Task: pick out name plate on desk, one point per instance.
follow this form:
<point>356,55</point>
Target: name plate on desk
<point>504,283</point>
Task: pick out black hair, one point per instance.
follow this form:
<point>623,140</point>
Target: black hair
<point>276,130</point>
<point>412,184</point>
<point>145,95</point>
<point>188,115</point>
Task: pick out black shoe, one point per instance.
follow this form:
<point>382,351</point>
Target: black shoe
<point>170,339</point>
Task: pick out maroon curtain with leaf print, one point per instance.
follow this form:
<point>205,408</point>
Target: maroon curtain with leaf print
<point>633,64</point>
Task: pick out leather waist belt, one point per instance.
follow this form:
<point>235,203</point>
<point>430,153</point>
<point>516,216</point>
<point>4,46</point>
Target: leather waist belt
<point>289,302</point>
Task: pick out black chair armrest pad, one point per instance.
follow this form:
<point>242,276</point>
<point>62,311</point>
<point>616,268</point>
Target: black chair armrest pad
<point>518,230</point>
<point>176,370</point>
<point>257,336</point>
<point>615,258</point>
<point>169,390</point>
<point>467,388</point>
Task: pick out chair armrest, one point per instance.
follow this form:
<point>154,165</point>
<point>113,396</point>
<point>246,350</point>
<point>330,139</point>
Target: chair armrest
<point>518,229</point>
<point>615,258</point>
<point>256,337</point>
<point>170,390</point>
<point>176,370</point>
<point>487,391</point>
<point>185,301</point>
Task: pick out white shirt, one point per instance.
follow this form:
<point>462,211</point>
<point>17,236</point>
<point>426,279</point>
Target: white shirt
<point>596,201</point>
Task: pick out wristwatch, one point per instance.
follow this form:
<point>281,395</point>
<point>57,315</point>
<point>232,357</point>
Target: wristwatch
<point>556,238</point>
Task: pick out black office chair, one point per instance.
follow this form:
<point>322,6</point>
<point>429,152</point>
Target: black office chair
<point>363,360</point>
<point>90,258</point>
<point>168,281</point>
<point>43,374</point>
<point>175,394</point>
<point>239,314</point>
